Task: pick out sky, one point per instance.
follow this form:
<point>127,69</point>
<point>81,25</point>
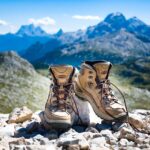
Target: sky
<point>69,15</point>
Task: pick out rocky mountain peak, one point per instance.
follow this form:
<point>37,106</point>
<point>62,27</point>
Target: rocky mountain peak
<point>31,30</point>
<point>59,33</point>
<point>134,21</point>
<point>10,61</point>
<point>115,17</point>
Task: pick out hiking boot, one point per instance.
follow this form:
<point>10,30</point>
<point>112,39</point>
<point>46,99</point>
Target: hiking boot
<point>60,108</point>
<point>93,85</point>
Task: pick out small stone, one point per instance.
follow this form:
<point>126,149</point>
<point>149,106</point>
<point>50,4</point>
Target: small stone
<point>38,137</point>
<point>123,142</point>
<point>110,138</point>
<point>90,135</point>
<point>7,130</point>
<point>20,141</point>
<point>99,143</point>
<point>136,121</point>
<point>19,115</point>
<point>127,134</point>
<point>72,138</point>
<point>117,126</point>
<point>71,147</point>
<point>141,111</point>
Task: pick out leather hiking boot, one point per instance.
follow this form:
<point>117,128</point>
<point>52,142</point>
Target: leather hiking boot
<point>93,85</point>
<point>60,108</point>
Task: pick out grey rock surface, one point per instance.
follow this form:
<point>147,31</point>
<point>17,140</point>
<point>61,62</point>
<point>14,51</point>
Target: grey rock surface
<point>30,134</point>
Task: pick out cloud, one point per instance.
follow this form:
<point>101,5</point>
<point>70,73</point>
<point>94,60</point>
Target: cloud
<point>43,21</point>
<point>88,17</point>
<point>3,23</point>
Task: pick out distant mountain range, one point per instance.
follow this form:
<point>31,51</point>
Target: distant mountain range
<point>116,39</point>
<point>23,38</point>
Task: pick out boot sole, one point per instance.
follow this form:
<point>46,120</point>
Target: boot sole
<point>57,124</point>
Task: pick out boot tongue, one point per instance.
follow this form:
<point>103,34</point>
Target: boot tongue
<point>62,74</point>
<point>102,69</point>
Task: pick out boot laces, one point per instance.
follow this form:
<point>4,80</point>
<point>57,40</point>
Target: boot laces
<point>61,93</point>
<point>106,91</point>
<point>61,102</point>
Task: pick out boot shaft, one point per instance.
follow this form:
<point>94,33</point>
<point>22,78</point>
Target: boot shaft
<point>62,75</point>
<point>101,68</point>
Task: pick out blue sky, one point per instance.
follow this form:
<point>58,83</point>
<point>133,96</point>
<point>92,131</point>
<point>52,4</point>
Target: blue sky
<point>69,15</point>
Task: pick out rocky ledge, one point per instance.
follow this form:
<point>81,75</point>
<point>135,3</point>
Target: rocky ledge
<point>22,130</point>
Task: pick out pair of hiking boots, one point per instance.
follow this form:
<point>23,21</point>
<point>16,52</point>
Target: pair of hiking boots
<point>90,84</point>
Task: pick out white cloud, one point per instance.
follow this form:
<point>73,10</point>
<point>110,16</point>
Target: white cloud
<point>3,23</point>
<point>43,21</point>
<point>88,17</point>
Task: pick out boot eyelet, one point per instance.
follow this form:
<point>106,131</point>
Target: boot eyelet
<point>90,77</point>
<point>90,84</point>
<point>90,72</point>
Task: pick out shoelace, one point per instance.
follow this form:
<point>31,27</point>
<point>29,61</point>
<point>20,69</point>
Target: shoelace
<point>107,92</point>
<point>113,98</point>
<point>68,91</point>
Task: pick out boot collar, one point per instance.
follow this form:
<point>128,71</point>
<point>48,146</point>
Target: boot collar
<point>62,74</point>
<point>102,68</point>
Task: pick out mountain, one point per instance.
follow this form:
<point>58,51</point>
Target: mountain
<point>20,84</point>
<point>112,23</point>
<point>116,39</point>
<point>116,47</point>
<point>116,21</point>
<point>31,30</point>
<point>38,50</point>
<point>59,33</point>
<point>23,38</point>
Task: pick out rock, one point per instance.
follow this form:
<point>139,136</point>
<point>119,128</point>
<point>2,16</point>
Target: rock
<point>123,142</point>
<point>99,143</point>
<point>31,135</point>
<point>127,134</point>
<point>89,135</point>
<point>140,122</point>
<point>20,141</point>
<point>71,147</point>
<point>136,121</point>
<point>7,130</point>
<point>40,147</point>
<point>110,138</point>
<point>38,137</point>
<point>141,112</point>
<point>17,147</point>
<point>36,116</point>
<point>72,138</point>
<point>3,119</point>
<point>20,115</point>
<point>117,126</point>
